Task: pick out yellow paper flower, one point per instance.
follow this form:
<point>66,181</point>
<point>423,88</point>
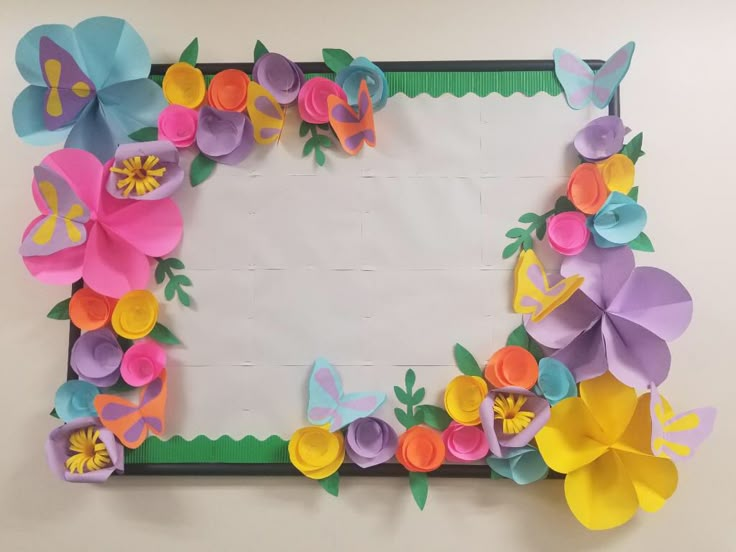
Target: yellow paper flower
<point>184,85</point>
<point>463,397</point>
<point>135,314</point>
<point>316,452</point>
<point>601,440</point>
<point>618,173</point>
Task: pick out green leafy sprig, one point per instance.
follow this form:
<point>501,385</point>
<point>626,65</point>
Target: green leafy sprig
<point>316,142</point>
<point>536,226</point>
<point>409,398</point>
<point>165,269</point>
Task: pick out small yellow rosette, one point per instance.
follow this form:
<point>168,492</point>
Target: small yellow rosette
<point>135,314</point>
<point>463,397</point>
<point>184,85</point>
<point>618,173</point>
<point>316,452</point>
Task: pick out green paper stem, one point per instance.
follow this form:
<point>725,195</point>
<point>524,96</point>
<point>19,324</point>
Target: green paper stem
<point>60,311</point>
<point>409,398</point>
<point>316,142</point>
<point>633,150</point>
<point>164,335</point>
<point>258,50</point>
<point>190,53</point>
<point>331,484</point>
<point>201,169</point>
<point>465,361</point>
<point>419,485</point>
<point>165,269</point>
<point>145,134</point>
<point>336,59</point>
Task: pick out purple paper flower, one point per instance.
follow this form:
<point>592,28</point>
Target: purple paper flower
<point>224,136</point>
<point>96,357</point>
<point>601,138</point>
<point>280,76</point>
<point>620,319</point>
<point>83,451</point>
<point>511,417</point>
<point>370,441</point>
<point>145,170</point>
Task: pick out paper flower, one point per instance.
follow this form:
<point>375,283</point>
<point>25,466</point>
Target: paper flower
<point>620,319</point>
<point>586,189</point>
<point>83,451</point>
<point>121,235</point>
<point>142,363</point>
<point>184,85</point>
<point>74,399</point>
<point>362,69</point>
<point>512,366</point>
<point>464,443</point>
<point>601,138</point>
<point>313,99</point>
<point>370,441</point>
<point>420,449</point>
<point>135,314</point>
<point>316,452</point>
<point>224,136</point>
<point>618,173</point>
<point>463,396</point>
<point>522,465</point>
<point>88,310</point>
<point>601,441</point>
<point>555,381</point>
<point>96,357</point>
<point>280,76</point>
<point>88,85</point>
<point>145,170</point>
<point>228,90</point>
<point>618,221</point>
<point>511,418</point>
<point>178,125</point>
<point>567,233</point>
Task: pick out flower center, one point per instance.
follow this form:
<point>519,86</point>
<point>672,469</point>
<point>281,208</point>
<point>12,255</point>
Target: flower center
<point>139,175</point>
<point>88,452</point>
<point>508,409</point>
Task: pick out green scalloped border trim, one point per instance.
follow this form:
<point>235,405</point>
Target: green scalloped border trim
<point>459,83</point>
<point>203,450</point>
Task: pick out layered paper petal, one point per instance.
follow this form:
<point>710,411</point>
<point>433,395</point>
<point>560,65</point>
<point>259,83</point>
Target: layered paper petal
<point>151,227</point>
<point>567,322</point>
<point>654,479</point>
<point>585,356</point>
<point>611,403</point>
<point>605,271</point>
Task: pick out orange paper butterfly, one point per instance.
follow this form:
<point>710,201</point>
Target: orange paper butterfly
<point>353,129</point>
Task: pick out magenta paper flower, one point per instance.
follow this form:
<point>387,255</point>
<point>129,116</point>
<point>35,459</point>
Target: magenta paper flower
<point>511,417</point>
<point>108,242</point>
<point>620,319</point>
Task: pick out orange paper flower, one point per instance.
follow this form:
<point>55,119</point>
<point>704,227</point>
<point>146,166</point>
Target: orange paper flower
<point>512,366</point>
<point>228,90</point>
<point>586,189</point>
<point>420,449</point>
<point>88,310</point>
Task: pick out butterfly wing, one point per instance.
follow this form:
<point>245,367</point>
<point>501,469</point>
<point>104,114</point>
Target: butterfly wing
<point>611,74</point>
<point>69,89</point>
<point>265,113</point>
<point>575,76</point>
<point>354,406</point>
<point>121,417</point>
<point>325,392</point>
<point>153,404</point>
<point>65,215</point>
<point>352,128</point>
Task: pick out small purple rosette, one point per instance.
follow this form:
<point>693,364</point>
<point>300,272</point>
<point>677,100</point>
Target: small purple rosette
<point>280,76</point>
<point>96,358</point>
<point>224,136</point>
<point>601,138</point>
<point>370,442</point>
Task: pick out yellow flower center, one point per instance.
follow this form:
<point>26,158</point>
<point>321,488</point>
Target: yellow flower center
<point>508,409</point>
<point>139,175</point>
<point>90,453</point>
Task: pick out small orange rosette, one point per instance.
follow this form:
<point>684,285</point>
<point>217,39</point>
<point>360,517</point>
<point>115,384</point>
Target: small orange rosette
<point>228,90</point>
<point>89,310</point>
<point>420,449</point>
<point>586,188</point>
<point>512,366</point>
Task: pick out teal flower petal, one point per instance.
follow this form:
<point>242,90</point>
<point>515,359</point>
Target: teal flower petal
<point>28,110</point>
<point>92,133</point>
<point>27,55</point>
<point>555,382</point>
<point>618,221</point>
<point>350,77</point>
<point>522,465</point>
<point>132,105</point>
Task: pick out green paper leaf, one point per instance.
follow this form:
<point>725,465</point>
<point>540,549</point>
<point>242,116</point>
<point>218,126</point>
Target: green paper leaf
<point>404,419</point>
<point>509,250</point>
<point>304,129</point>
<point>324,126</point>
<point>170,290</point>
<point>190,53</point>
<point>145,134</point>
<point>183,297</point>
<point>160,272</point>
<point>634,193</point>
<point>527,243</point>
<point>542,230</point>
<point>331,484</point>
<point>319,157</point>
<point>434,416</point>
<point>633,150</point>
<point>60,311</point>
<point>308,147</point>
<point>324,141</point>
<point>519,337</point>
<point>401,395</point>
<point>201,169</point>
<point>642,243</point>
<point>259,50</point>
<point>53,414</point>
<point>336,58</point>
<point>419,485</point>
<point>162,334</point>
<point>182,280</point>
<point>515,233</point>
<point>418,396</point>
<point>119,387</point>
<point>465,361</point>
<point>563,205</point>
<point>175,263</point>
<point>528,218</point>
<point>536,350</point>
<point>410,378</point>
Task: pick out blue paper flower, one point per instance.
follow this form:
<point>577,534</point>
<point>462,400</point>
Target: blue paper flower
<point>618,221</point>
<point>555,381</point>
<point>522,465</point>
<point>75,399</point>
<point>88,85</point>
<point>350,77</point>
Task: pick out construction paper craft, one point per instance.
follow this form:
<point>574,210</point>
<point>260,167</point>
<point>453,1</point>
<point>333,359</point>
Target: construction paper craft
<point>265,113</point>
<point>567,233</point>
<point>280,76</point>
<point>512,366</point>
<point>678,436</point>
<point>313,99</point>
<point>600,441</point>
<point>511,417</point>
<point>178,125</point>
<point>370,441</point>
<point>135,314</point>
<point>353,128</point>
<point>463,396</point>
<point>143,363</point>
<point>74,399</point>
<point>96,357</point>
<point>129,422</point>
<point>522,465</point>
<point>360,70</point>
<point>184,85</point>
<point>618,221</point>
<point>533,294</point>
<point>620,320</point>
<point>328,405</point>
<point>224,136</point>
<point>88,310</point>
<point>464,443</point>
<point>228,90</point>
<point>581,85</point>
<point>88,85</point>
<point>618,173</point>
<point>555,382</point>
<point>145,171</point>
<point>317,452</point>
<point>601,138</point>
<point>586,189</point>
<point>420,449</point>
<point>64,215</point>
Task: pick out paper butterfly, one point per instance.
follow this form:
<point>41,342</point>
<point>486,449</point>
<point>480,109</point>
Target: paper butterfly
<point>582,85</point>
<point>265,113</point>
<point>328,404</point>
<point>64,215</point>
<point>130,423</point>
<point>677,436</point>
<point>353,128</point>
<point>69,89</point>
<point>532,292</point>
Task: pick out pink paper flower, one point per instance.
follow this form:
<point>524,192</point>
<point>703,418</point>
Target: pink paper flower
<point>568,232</point>
<point>121,234</point>
<point>313,99</point>
<point>178,125</point>
<point>464,443</point>
<point>143,363</point>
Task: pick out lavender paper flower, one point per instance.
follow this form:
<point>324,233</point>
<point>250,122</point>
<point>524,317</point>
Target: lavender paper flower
<point>514,419</point>
<point>146,171</point>
<point>96,357</point>
<point>620,319</point>
<point>224,136</point>
<point>280,76</point>
<point>601,138</point>
<point>370,441</point>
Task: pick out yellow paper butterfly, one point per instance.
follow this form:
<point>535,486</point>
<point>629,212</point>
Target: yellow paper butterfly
<point>265,113</point>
